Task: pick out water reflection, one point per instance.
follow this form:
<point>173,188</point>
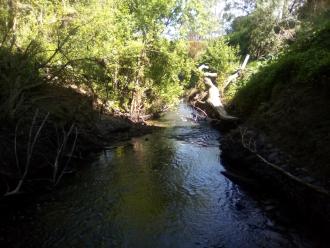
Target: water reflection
<point>161,190</point>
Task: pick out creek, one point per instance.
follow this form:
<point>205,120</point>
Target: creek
<point>164,189</point>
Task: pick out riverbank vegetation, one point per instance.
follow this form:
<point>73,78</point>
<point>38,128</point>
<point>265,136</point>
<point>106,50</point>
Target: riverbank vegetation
<point>72,74</point>
<point>288,95</point>
<point>284,91</point>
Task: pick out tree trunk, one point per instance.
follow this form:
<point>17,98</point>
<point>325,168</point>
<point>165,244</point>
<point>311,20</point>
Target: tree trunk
<point>214,101</point>
<point>285,9</point>
<point>12,24</point>
<point>136,103</point>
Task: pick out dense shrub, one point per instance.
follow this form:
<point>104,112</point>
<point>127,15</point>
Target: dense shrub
<point>289,99</point>
<point>221,58</point>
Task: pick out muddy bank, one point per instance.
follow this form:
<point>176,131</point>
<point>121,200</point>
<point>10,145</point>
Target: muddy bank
<point>53,136</point>
<point>252,159</point>
<point>249,152</point>
<point>47,157</point>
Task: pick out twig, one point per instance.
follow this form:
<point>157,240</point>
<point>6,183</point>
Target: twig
<point>199,109</point>
<point>70,154</point>
<point>15,149</point>
<point>30,148</point>
<point>279,169</point>
<point>60,45</point>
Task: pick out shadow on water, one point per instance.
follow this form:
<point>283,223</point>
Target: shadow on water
<point>161,190</point>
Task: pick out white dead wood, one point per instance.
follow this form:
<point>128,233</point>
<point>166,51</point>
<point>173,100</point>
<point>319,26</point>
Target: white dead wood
<point>214,100</point>
<point>58,176</point>
<point>210,74</point>
<point>30,148</point>
<point>232,78</point>
<point>214,97</point>
<point>202,67</point>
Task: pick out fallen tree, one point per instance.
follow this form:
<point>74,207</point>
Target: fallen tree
<point>209,102</point>
<point>214,100</point>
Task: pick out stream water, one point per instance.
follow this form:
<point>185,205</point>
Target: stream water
<point>164,189</point>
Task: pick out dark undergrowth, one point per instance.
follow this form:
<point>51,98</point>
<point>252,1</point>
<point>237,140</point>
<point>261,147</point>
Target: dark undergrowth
<point>44,126</point>
<point>289,99</point>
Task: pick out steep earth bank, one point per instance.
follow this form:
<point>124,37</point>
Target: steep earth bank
<point>59,129</point>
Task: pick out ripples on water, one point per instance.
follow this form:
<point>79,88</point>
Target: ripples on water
<point>161,190</point>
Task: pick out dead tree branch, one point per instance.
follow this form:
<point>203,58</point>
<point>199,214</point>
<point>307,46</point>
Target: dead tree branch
<point>277,167</point>
<point>233,77</point>
<point>73,147</point>
<point>30,148</point>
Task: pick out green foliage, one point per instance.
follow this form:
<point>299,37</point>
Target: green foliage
<point>240,35</point>
<point>118,50</point>
<point>306,63</point>
<point>255,34</point>
<point>221,57</point>
<point>289,98</point>
<point>268,29</point>
<point>253,68</point>
<point>312,9</point>
<point>18,76</point>
<point>198,19</point>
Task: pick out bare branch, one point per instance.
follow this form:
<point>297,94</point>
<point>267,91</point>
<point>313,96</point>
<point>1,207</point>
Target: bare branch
<point>233,77</point>
<point>15,150</point>
<point>60,45</point>
<point>30,148</point>
<point>210,74</point>
<point>278,168</point>
<point>70,154</point>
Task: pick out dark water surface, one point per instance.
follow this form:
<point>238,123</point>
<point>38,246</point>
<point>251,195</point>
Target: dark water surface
<point>164,189</point>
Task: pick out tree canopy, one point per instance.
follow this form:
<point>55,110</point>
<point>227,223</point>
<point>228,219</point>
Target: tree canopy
<point>135,56</point>
<point>130,53</point>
